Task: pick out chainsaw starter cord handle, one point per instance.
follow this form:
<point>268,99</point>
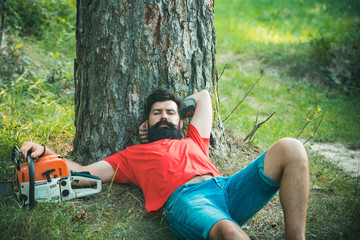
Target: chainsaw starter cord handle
<point>31,180</point>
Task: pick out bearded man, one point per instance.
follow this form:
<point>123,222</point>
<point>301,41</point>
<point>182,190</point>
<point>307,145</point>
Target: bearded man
<point>179,180</point>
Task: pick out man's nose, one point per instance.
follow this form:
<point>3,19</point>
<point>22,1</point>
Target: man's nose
<point>164,116</point>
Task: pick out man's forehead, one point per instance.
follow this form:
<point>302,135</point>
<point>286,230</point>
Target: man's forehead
<point>168,105</point>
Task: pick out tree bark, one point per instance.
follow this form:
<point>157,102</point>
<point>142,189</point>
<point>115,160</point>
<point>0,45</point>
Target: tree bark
<point>125,50</point>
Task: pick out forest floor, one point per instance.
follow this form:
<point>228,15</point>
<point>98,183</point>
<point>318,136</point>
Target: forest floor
<point>346,159</point>
<point>300,47</point>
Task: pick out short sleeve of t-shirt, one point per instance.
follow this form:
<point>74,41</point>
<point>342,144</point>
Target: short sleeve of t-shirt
<point>118,162</point>
<point>203,143</point>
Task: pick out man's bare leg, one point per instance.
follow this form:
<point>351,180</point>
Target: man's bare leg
<point>287,161</point>
<point>226,229</point>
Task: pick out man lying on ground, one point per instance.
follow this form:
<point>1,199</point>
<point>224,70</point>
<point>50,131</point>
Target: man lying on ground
<point>179,180</point>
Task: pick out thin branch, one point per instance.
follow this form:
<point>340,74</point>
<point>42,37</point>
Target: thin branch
<point>243,98</point>
<point>222,71</point>
<point>303,129</point>
<point>310,119</point>
<point>257,117</point>
<point>312,135</point>
<point>257,126</point>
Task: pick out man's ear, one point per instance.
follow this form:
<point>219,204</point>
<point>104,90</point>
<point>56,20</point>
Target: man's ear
<point>181,124</point>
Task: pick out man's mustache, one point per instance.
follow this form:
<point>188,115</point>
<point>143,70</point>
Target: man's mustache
<point>169,124</point>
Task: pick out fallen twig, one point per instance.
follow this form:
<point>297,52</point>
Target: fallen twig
<point>256,127</point>
<point>243,98</point>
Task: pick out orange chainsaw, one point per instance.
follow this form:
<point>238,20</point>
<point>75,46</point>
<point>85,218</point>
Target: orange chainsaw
<point>47,179</point>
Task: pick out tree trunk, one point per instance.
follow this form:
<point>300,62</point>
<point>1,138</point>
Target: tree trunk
<point>127,48</point>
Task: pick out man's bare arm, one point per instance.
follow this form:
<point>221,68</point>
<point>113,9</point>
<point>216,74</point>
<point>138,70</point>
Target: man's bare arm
<point>198,107</point>
<point>101,169</point>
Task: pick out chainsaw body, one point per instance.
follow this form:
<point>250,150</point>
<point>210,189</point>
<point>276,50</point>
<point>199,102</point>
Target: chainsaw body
<point>48,180</point>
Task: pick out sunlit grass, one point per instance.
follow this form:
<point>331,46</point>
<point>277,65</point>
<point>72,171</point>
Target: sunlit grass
<point>244,26</point>
<point>247,32</point>
<point>286,34</point>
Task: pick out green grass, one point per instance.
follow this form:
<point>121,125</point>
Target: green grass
<point>293,42</point>
<point>261,25</point>
<point>316,40</point>
<point>104,217</point>
<point>293,102</point>
<point>281,38</point>
<point>34,105</point>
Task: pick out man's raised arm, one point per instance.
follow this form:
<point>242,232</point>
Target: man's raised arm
<point>198,107</point>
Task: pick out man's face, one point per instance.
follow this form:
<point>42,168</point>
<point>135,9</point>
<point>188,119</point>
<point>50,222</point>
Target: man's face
<point>166,110</point>
<point>164,121</point>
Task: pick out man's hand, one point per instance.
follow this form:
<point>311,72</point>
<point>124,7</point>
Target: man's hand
<point>36,150</point>
<point>143,132</point>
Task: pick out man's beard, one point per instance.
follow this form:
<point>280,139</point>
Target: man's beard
<point>158,133</point>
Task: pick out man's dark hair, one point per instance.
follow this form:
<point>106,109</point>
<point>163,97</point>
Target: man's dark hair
<point>162,95</point>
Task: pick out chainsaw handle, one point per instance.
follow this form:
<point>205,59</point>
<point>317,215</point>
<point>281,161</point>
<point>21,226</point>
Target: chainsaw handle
<point>16,157</point>
<point>82,192</point>
<point>30,161</point>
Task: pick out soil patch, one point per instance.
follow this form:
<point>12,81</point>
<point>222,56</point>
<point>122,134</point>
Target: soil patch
<point>347,159</point>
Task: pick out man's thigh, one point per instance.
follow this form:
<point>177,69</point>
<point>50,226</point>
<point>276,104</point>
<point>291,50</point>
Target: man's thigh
<point>249,191</point>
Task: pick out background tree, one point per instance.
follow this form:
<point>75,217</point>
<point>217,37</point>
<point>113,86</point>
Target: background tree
<point>125,50</point>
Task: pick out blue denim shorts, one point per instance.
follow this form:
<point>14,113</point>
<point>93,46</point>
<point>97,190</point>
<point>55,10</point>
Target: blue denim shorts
<point>194,208</point>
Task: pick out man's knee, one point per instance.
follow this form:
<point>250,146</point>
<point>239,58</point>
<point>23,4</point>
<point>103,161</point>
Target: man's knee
<point>226,229</point>
<point>284,153</point>
<point>290,150</point>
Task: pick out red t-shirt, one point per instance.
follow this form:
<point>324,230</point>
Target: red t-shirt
<point>160,167</point>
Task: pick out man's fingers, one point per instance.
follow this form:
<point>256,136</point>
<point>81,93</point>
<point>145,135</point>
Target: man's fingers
<point>36,149</point>
<point>143,132</point>
<point>37,153</point>
<point>25,149</point>
<point>143,138</point>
